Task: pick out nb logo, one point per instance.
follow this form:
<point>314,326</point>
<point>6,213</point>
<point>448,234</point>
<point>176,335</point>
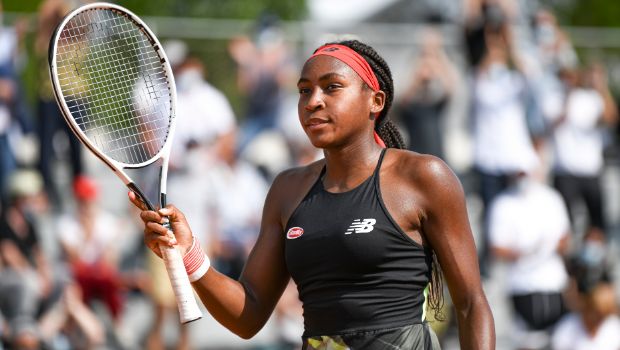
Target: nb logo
<point>361,226</point>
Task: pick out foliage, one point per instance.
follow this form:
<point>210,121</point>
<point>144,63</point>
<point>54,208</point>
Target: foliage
<point>239,9</point>
<point>589,13</point>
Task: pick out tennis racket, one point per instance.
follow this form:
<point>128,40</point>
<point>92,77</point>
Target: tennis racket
<point>115,88</point>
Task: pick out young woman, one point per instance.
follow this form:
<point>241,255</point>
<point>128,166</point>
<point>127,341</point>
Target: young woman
<point>360,231</point>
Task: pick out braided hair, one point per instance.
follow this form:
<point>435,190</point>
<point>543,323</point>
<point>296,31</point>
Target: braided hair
<point>388,131</point>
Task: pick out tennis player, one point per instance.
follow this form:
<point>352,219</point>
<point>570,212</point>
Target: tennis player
<point>361,232</point>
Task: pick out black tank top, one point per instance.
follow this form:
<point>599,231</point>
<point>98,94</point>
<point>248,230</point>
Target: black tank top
<point>354,267</point>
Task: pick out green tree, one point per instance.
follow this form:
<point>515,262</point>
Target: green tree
<point>238,9</point>
<point>589,13</point>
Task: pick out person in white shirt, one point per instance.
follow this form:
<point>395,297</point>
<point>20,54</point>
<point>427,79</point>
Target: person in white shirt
<point>203,112</point>
<point>89,239</point>
<point>233,201</point>
<point>529,229</point>
<point>594,324</point>
<point>501,138</point>
<point>578,139</point>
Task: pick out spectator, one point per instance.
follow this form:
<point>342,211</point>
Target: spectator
<point>71,323</point>
<point>203,112</point>
<point>555,49</point>
<point>50,121</point>
<point>529,229</point>
<point>480,17</point>
<point>502,142</point>
<point>204,116</point>
<point>89,241</point>
<point>25,275</point>
<point>264,67</point>
<point>594,322</point>
<point>578,140</point>
<point>40,305</point>
<point>7,158</point>
<point>423,104</point>
<point>235,191</point>
<point>14,120</point>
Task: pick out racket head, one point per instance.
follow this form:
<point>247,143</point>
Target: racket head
<point>119,100</point>
<point>114,85</point>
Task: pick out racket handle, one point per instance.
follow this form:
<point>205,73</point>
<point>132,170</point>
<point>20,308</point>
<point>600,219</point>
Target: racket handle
<point>186,302</point>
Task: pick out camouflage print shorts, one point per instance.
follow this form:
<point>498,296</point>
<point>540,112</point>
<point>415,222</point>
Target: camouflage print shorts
<point>412,337</point>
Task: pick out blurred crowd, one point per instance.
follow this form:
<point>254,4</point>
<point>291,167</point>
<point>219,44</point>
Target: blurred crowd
<point>543,126</point>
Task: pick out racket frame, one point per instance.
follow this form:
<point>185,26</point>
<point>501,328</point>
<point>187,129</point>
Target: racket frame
<point>188,309</point>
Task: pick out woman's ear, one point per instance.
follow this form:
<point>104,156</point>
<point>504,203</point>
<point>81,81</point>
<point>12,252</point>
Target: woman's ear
<point>377,102</point>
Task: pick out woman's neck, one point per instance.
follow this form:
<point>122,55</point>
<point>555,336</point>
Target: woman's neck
<point>349,166</point>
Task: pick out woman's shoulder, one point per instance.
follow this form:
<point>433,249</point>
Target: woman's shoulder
<point>291,185</point>
<point>426,178</point>
<point>296,181</point>
<point>418,168</point>
<point>300,173</point>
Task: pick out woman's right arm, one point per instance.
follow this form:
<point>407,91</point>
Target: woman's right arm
<point>245,305</point>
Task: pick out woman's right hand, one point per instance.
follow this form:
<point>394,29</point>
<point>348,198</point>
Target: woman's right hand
<point>155,233</point>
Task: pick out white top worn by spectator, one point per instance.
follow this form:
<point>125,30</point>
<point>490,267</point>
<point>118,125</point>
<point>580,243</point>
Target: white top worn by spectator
<point>8,44</point>
<point>570,334</point>
<point>578,140</point>
<point>203,112</point>
<point>94,247</point>
<point>236,195</point>
<point>223,197</point>
<point>501,139</point>
<point>531,219</point>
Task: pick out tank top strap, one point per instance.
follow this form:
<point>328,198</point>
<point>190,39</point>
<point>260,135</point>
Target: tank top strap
<point>318,183</point>
<point>374,174</point>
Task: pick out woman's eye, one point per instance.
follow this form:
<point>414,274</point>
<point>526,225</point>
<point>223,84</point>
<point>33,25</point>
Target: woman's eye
<point>304,91</point>
<point>333,86</point>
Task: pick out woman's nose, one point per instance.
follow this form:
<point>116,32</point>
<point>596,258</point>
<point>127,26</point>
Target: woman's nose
<point>315,100</point>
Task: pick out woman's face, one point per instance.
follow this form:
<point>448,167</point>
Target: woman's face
<point>334,103</point>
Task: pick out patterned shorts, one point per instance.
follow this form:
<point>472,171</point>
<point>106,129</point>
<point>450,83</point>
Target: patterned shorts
<point>412,337</point>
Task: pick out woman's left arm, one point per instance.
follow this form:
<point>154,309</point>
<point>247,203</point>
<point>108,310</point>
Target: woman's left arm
<point>445,225</point>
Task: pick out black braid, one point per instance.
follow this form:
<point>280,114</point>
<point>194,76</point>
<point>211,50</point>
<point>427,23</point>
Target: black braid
<point>386,129</point>
<point>389,133</point>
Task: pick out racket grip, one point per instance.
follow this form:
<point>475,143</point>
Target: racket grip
<point>186,302</point>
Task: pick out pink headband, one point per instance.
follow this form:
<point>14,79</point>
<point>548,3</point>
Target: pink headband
<point>357,63</point>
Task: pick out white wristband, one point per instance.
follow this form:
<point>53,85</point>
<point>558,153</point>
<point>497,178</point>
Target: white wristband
<point>196,262</point>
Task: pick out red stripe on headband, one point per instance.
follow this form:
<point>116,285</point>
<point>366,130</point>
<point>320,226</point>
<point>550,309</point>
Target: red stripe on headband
<point>351,59</point>
<point>358,64</point>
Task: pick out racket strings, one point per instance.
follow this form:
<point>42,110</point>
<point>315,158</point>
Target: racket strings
<point>115,85</point>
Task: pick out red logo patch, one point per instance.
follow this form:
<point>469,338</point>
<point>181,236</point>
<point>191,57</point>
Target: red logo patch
<point>294,232</point>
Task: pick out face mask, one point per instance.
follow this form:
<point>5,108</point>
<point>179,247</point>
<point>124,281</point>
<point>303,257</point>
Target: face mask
<point>593,253</point>
<point>188,78</point>
<point>546,34</point>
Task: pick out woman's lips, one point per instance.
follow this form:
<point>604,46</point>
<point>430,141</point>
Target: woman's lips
<point>315,124</point>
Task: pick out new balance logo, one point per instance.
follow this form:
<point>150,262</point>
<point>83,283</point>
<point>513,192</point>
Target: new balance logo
<point>361,226</point>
